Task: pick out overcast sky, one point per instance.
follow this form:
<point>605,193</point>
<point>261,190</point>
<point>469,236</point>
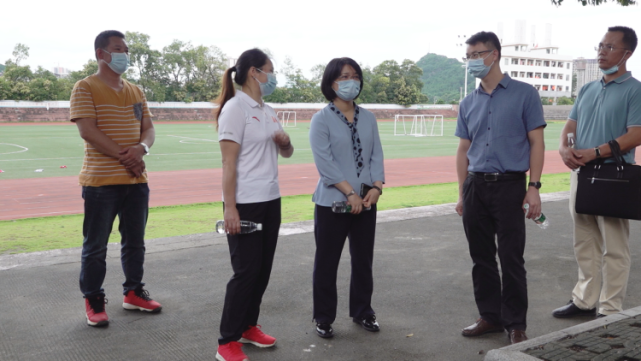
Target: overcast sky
<point>62,32</point>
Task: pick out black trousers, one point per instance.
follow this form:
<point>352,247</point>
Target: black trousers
<point>330,231</point>
<point>495,209</point>
<point>252,256</point>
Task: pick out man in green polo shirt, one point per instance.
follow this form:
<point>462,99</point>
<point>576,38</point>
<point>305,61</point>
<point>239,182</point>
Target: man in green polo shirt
<point>605,109</point>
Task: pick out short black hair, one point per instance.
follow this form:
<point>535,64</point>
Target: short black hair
<point>333,71</point>
<point>102,40</point>
<point>488,38</point>
<point>629,36</point>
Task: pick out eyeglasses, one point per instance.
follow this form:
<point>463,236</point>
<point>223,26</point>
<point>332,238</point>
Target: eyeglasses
<point>610,48</point>
<point>347,77</point>
<point>475,55</point>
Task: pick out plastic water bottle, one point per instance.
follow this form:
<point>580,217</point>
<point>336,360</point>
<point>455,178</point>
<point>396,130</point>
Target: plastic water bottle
<point>343,207</point>
<point>571,141</point>
<point>245,227</point>
<point>541,221</point>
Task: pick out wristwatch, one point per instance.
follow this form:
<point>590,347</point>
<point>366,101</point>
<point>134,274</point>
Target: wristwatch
<point>597,151</point>
<point>378,189</point>
<point>536,185</point>
<point>146,147</point>
<point>350,193</point>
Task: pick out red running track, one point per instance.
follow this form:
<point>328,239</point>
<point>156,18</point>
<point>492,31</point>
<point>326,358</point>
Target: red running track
<point>40,197</point>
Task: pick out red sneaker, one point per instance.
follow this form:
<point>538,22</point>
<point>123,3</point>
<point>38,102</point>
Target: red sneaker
<point>231,352</point>
<point>140,300</point>
<point>256,337</point>
<point>95,310</point>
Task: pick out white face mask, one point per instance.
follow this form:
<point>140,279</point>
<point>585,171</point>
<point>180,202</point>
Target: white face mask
<point>119,62</point>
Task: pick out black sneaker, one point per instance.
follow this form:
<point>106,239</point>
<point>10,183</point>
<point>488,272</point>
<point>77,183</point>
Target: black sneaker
<point>324,330</point>
<point>368,323</point>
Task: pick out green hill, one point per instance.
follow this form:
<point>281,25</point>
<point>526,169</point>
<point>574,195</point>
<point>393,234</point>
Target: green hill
<point>443,77</point>
<point>1,68</point>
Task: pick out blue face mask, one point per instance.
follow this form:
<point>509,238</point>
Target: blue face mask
<point>615,68</point>
<point>348,89</point>
<point>477,67</point>
<point>268,87</point>
<point>119,62</point>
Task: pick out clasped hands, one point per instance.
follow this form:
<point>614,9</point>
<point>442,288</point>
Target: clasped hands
<point>359,204</point>
<point>131,158</point>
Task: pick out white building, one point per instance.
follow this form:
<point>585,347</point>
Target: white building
<point>540,65</point>
<point>586,70</point>
<point>61,72</point>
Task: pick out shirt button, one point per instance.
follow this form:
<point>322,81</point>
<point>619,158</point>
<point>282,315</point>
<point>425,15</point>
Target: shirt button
<point>487,145</point>
<point>490,112</point>
<point>488,128</point>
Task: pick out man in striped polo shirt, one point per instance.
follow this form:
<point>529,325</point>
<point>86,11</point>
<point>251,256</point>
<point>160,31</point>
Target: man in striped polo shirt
<point>114,120</point>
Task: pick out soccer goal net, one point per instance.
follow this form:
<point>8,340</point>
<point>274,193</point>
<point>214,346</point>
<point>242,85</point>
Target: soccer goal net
<point>287,118</point>
<point>420,125</point>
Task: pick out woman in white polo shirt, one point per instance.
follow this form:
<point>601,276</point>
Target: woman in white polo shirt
<point>250,139</point>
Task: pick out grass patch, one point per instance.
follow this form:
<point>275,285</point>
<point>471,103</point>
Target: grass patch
<point>47,233</point>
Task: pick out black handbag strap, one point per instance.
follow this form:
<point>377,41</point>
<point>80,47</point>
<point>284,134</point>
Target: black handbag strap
<point>616,154</point>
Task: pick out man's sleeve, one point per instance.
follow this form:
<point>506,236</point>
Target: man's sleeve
<point>231,123</point>
<point>81,102</point>
<point>461,125</point>
<point>574,113</point>
<point>634,109</point>
<point>145,108</point>
<point>533,111</point>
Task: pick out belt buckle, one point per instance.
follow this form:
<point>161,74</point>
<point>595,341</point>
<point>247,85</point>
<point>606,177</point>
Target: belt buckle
<point>491,177</point>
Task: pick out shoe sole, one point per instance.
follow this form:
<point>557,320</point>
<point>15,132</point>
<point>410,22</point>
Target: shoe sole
<point>261,345</point>
<point>130,307</point>
<point>486,332</point>
<point>220,357</point>
<point>97,324</point>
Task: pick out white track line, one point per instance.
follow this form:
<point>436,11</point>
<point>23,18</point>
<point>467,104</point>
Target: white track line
<point>24,149</point>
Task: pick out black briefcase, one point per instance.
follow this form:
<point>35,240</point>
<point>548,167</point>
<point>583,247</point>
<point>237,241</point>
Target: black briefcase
<point>610,189</point>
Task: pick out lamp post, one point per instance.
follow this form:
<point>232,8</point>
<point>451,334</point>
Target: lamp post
<point>460,43</point>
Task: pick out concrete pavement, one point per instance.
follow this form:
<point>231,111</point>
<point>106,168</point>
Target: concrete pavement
<point>423,296</point>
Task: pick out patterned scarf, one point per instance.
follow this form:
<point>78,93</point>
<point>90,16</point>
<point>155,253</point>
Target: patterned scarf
<point>356,140</point>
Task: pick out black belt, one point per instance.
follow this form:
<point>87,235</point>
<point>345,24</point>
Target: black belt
<point>494,177</point>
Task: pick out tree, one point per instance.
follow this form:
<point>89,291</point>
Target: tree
<point>147,66</point>
<point>20,52</point>
<point>598,2</point>
<point>298,89</point>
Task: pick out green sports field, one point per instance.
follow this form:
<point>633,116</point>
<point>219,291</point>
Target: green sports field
<point>27,148</point>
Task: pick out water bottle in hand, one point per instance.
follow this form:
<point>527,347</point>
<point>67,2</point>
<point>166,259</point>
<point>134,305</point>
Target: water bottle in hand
<point>245,227</point>
<point>571,141</point>
<point>343,207</point>
<point>540,221</point>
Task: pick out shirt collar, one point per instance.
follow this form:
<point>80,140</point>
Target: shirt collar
<point>625,76</point>
<point>249,100</point>
<point>503,83</point>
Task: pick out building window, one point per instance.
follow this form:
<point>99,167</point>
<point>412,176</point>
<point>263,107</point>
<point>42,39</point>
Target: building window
<point>537,87</point>
<point>530,75</point>
<point>515,61</point>
<point>559,88</point>
<point>530,62</point>
<point>559,76</point>
<point>553,87</point>
<point>516,48</point>
<point>552,76</point>
<point>507,61</point>
<point>522,74</point>
<point>568,65</point>
<point>546,76</point>
<point>522,62</point>
<point>538,63</point>
<point>514,74</point>
<point>554,64</point>
<point>545,88</point>
<point>567,88</point>
<point>546,63</point>
<point>537,75</point>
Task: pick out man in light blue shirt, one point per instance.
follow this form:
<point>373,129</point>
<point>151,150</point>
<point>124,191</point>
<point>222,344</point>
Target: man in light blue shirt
<point>500,126</point>
<point>605,109</point>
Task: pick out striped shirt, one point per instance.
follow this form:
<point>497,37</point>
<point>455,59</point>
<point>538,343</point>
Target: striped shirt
<point>118,115</point>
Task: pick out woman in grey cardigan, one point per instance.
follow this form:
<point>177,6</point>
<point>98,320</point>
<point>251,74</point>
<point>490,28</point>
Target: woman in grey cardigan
<point>349,158</point>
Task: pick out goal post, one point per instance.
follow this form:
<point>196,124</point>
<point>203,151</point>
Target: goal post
<point>287,118</point>
<point>423,125</point>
